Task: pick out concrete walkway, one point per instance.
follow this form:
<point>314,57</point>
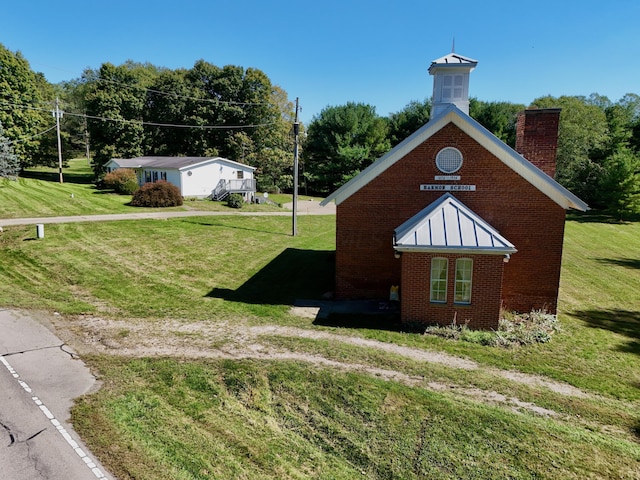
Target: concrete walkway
<point>305,207</point>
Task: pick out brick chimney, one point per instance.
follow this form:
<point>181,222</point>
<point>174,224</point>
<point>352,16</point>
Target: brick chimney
<point>537,137</point>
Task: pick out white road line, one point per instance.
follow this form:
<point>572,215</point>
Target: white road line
<point>61,430</point>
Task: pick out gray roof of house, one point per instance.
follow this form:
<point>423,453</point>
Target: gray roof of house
<point>177,163</point>
<point>449,225</point>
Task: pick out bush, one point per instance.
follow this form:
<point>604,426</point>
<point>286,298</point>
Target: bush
<point>235,200</point>
<point>157,194</point>
<point>514,330</point>
<point>121,180</point>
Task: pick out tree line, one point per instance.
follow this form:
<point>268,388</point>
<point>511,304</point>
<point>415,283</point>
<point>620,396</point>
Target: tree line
<point>598,155</point>
<point>138,109</point>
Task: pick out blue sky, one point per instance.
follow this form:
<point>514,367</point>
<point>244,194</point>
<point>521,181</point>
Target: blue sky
<point>331,52</point>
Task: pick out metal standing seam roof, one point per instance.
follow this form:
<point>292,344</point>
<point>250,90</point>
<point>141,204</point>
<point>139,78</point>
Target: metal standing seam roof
<point>453,59</point>
<point>448,225</point>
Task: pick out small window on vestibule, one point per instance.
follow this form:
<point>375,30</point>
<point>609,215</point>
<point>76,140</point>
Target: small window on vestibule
<point>464,273</point>
<point>439,273</point>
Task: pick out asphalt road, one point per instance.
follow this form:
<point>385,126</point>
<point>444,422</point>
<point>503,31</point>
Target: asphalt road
<point>39,378</point>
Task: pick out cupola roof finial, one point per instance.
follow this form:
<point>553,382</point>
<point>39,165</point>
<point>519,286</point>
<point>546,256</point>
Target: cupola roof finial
<point>453,45</point>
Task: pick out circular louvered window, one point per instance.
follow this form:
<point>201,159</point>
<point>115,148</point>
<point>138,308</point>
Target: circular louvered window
<point>449,160</point>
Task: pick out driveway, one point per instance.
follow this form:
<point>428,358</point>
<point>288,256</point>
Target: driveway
<point>305,207</point>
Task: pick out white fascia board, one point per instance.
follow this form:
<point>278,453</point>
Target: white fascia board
<point>235,164</point>
<point>457,250</point>
<point>484,137</point>
<point>196,165</point>
<point>389,158</point>
<point>519,164</point>
<point>217,160</point>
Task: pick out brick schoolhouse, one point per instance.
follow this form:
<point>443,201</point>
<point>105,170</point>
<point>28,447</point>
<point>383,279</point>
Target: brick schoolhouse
<point>463,224</point>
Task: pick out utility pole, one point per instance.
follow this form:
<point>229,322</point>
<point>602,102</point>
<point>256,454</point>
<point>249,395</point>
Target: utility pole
<point>296,130</point>
<point>86,140</point>
<point>58,114</point>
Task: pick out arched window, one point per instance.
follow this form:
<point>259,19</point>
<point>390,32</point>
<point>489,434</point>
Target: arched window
<point>439,273</point>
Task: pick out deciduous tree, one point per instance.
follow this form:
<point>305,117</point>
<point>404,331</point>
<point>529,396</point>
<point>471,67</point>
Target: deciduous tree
<point>23,111</point>
<point>341,141</point>
<point>408,120</point>
<point>498,117</point>
<point>583,130</point>
<point>115,101</point>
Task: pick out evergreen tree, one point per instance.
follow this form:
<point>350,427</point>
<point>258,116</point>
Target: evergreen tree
<point>9,164</point>
<point>619,184</point>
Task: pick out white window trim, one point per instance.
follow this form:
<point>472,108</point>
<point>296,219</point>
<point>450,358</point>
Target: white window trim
<point>441,163</point>
<point>460,284</point>
<point>433,280</point>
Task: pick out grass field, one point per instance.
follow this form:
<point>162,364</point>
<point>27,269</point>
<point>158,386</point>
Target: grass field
<point>275,395</point>
<point>39,194</point>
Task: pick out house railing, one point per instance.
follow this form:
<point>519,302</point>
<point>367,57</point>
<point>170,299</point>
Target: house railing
<point>225,187</point>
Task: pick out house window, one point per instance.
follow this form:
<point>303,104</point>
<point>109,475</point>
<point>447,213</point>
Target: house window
<point>239,174</point>
<point>163,176</point>
<point>464,271</point>
<point>155,176</point>
<point>449,160</point>
<point>147,177</point>
<point>439,268</point>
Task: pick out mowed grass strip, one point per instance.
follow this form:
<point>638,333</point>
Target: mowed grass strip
<point>169,419</point>
<point>197,268</point>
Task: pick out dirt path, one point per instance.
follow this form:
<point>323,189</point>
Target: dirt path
<point>89,334</point>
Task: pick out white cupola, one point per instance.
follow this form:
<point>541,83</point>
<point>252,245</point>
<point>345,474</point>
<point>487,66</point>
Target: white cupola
<point>451,82</point>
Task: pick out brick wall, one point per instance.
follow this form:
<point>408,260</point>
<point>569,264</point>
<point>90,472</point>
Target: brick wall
<point>482,313</point>
<point>365,263</point>
<point>537,137</point>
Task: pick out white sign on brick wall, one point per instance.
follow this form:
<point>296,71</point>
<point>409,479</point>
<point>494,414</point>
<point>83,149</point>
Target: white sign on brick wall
<point>448,188</point>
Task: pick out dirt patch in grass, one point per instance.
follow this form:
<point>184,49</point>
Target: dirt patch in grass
<point>131,338</point>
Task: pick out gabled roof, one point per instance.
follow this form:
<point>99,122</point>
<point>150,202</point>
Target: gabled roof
<point>484,137</point>
<point>449,225</point>
<point>174,163</point>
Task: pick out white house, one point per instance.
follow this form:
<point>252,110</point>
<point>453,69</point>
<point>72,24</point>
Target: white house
<point>200,177</point>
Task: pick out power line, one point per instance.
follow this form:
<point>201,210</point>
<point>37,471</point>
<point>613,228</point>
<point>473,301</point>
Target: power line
<point>20,140</point>
<point>142,122</point>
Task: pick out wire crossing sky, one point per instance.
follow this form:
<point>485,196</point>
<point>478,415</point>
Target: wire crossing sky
<point>334,52</point>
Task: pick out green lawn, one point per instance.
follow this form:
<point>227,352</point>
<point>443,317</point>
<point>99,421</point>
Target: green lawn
<point>182,418</point>
<point>38,193</point>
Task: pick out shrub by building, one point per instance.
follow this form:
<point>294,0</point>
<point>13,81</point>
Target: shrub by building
<point>235,200</point>
<point>157,194</point>
<point>123,181</point>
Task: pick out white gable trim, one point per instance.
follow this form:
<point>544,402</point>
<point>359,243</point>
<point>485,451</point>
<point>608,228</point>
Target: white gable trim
<point>226,161</point>
<point>471,127</point>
